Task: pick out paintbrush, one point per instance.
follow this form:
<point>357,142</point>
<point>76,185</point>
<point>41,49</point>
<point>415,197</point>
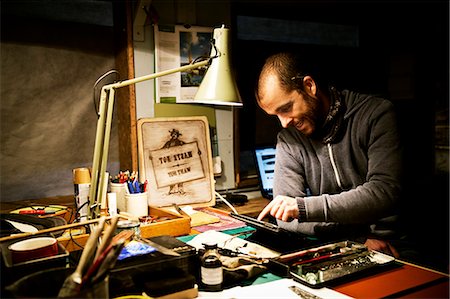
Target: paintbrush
<point>107,236</point>
<point>94,267</point>
<point>108,258</point>
<point>108,263</point>
<point>70,288</point>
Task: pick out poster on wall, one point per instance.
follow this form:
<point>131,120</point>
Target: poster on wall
<point>176,46</point>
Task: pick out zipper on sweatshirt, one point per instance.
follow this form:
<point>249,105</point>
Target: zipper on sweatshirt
<point>336,174</point>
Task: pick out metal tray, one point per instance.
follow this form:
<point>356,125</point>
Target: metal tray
<point>330,263</point>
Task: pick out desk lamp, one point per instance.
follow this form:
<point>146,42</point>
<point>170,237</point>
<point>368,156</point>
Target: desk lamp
<point>218,87</point>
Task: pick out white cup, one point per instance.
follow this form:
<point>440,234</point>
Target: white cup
<point>120,189</point>
<point>137,204</point>
<point>112,204</point>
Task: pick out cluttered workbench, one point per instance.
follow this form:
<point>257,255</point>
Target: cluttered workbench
<point>398,279</point>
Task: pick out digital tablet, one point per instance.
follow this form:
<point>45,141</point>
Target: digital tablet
<point>253,222</point>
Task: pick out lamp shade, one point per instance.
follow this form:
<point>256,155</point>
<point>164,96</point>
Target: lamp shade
<point>219,87</point>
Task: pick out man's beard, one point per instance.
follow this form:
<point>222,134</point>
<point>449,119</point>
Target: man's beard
<point>314,115</point>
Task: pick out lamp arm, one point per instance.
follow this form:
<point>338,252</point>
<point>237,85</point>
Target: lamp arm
<point>101,190</point>
<point>160,74</point>
<point>103,132</point>
<point>99,139</point>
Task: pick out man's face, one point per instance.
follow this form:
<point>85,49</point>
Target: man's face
<point>300,110</point>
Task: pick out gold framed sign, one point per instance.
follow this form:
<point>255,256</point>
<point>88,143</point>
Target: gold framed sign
<point>176,161</point>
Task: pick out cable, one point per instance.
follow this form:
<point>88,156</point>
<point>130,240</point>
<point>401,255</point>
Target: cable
<point>226,202</point>
<point>97,82</point>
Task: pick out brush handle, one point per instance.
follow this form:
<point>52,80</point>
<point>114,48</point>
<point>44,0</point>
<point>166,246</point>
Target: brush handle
<point>107,236</point>
<point>88,251</point>
<point>96,265</point>
<point>108,263</point>
<point>50,230</point>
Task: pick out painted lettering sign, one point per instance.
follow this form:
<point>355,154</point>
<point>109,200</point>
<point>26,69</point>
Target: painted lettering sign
<point>177,164</point>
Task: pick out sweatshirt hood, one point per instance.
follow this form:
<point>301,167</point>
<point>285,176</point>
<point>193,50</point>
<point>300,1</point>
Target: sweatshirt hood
<point>353,101</point>
<point>343,105</point>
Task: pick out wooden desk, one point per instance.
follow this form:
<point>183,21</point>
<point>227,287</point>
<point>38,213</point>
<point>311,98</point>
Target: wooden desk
<point>405,281</point>
<point>251,208</point>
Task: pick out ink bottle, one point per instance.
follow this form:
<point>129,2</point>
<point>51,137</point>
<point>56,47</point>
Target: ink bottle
<point>211,271</point>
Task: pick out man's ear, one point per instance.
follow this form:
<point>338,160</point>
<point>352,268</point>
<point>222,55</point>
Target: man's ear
<point>309,86</point>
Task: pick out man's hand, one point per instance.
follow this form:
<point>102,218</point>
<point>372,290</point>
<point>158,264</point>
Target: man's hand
<point>381,246</point>
<point>281,207</point>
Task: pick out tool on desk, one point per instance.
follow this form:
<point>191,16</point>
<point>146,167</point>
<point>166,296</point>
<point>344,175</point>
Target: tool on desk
<point>107,236</point>
<point>122,177</point>
<point>324,264</point>
<point>42,211</point>
<point>159,248</point>
<point>180,210</point>
<point>313,252</point>
<point>302,293</point>
<point>253,222</point>
<point>106,259</point>
<point>136,187</point>
<point>50,230</point>
<point>131,181</point>
<point>108,263</point>
<point>92,270</point>
<point>86,278</point>
<point>36,212</point>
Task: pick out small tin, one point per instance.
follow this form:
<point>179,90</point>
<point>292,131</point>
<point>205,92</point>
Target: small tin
<point>129,225</point>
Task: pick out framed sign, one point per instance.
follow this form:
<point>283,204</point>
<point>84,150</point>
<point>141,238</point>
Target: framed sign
<point>176,161</point>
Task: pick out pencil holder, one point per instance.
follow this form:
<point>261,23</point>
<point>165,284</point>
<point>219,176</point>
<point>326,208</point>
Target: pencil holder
<point>120,189</point>
<point>137,204</point>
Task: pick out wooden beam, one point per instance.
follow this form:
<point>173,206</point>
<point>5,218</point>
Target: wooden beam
<point>126,96</point>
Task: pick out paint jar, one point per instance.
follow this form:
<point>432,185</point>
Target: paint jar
<point>211,270</point>
<point>137,204</point>
<point>129,225</point>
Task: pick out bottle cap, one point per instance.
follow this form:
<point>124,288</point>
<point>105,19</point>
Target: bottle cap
<point>210,245</point>
<point>81,176</point>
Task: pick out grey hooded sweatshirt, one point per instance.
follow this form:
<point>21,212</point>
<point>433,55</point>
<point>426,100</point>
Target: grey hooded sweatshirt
<point>347,186</point>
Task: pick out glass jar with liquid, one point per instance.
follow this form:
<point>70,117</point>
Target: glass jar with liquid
<point>211,268</point>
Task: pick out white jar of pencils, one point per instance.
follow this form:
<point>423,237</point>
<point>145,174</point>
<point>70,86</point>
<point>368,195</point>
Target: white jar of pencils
<point>137,204</point>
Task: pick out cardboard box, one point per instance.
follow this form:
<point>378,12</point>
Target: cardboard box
<point>175,225</point>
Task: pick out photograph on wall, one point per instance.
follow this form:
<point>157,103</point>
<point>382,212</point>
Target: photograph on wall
<point>177,46</point>
<point>175,159</point>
